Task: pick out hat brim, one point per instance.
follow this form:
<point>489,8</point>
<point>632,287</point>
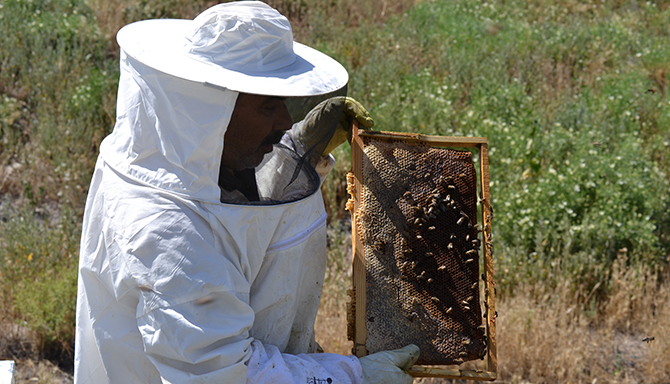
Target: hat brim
<point>161,43</point>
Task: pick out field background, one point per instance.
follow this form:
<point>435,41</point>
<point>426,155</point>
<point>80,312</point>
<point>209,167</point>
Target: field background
<point>572,96</point>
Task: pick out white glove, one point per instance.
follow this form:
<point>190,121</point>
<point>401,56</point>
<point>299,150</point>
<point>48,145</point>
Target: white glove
<point>388,367</point>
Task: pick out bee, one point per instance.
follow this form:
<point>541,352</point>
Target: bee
<point>441,267</point>
<point>450,246</point>
<point>430,280</point>
<point>435,299</point>
<point>419,237</point>
<point>429,254</point>
<point>460,221</point>
<point>474,285</point>
<point>466,341</point>
<point>458,361</point>
<point>462,354</point>
<point>648,339</point>
<point>448,311</point>
<point>451,186</point>
<point>431,228</point>
<point>471,252</point>
<point>468,261</point>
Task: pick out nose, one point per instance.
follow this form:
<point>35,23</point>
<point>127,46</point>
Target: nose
<point>283,121</point>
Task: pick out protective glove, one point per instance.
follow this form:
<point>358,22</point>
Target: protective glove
<point>388,367</point>
<point>332,115</point>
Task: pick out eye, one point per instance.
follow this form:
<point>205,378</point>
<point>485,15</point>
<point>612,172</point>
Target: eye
<point>272,105</point>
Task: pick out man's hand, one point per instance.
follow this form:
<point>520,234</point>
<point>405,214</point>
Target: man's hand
<point>332,115</point>
<point>353,110</point>
<point>388,367</point>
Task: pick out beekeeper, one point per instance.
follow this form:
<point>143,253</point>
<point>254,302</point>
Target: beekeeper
<point>203,244</point>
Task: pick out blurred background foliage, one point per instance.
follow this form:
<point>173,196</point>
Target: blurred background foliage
<point>572,96</point>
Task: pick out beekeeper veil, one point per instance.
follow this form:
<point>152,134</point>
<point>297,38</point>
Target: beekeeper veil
<point>178,86</point>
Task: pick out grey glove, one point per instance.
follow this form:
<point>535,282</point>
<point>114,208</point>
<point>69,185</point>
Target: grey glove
<point>329,124</point>
<point>388,367</point>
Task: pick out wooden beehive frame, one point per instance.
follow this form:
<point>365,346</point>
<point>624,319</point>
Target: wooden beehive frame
<point>359,271</point>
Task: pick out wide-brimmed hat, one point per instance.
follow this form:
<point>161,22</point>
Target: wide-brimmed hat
<point>244,46</point>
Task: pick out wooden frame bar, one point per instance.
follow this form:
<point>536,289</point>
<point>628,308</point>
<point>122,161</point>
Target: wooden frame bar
<point>359,332</point>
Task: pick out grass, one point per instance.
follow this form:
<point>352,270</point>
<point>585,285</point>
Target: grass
<point>573,99</point>
<point>560,334</point>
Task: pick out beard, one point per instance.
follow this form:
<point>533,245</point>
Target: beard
<point>254,159</point>
<point>273,138</point>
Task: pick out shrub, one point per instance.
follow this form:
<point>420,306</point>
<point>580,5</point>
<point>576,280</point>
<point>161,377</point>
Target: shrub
<point>39,275</point>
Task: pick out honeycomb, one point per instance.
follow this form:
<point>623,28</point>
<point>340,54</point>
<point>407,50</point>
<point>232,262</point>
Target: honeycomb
<point>417,223</point>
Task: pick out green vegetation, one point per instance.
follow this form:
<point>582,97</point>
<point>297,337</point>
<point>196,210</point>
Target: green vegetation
<point>572,96</point>
<point>573,102</point>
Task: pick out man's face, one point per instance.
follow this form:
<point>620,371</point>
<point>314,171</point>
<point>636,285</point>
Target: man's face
<point>257,123</point>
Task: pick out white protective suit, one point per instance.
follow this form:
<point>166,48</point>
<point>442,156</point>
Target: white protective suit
<point>177,287</point>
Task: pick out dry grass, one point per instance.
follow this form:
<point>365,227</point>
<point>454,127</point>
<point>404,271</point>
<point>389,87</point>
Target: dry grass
<point>560,335</point>
<point>545,335</point>
<point>18,343</point>
<point>42,371</point>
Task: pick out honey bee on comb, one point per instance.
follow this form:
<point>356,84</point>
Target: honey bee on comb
<point>422,199</point>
